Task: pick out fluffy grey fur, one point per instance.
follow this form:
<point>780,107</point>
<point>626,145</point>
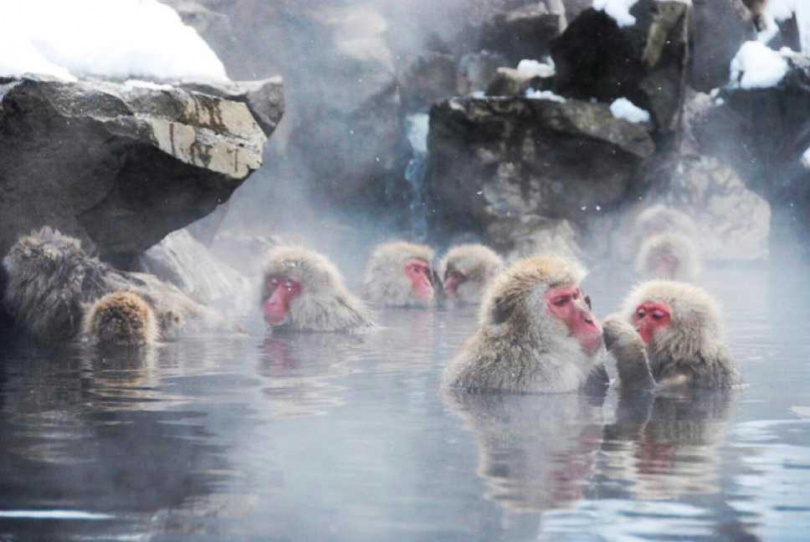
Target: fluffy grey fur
<point>668,245</point>
<point>662,219</point>
<point>325,304</point>
<point>385,283</point>
<point>689,352</point>
<point>121,318</point>
<point>52,280</point>
<point>518,347</point>
<point>479,264</point>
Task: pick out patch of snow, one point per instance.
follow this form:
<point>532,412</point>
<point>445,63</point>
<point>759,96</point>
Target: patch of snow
<point>544,95</point>
<point>532,68</point>
<point>130,84</point>
<point>756,66</point>
<point>782,10</point>
<point>123,39</point>
<point>623,108</point>
<point>618,9</point>
<point>479,94</point>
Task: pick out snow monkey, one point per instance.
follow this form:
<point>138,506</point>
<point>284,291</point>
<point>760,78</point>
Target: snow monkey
<point>304,291</point>
<point>536,333</point>
<point>466,270</point>
<point>659,219</point>
<point>121,319</point>
<point>51,281</point>
<point>668,256</point>
<point>669,334</point>
<point>399,274</point>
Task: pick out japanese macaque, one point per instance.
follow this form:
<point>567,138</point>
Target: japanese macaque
<point>51,281</point>
<point>668,334</point>
<point>304,291</point>
<point>668,256</point>
<point>399,274</point>
<point>121,319</point>
<point>659,219</point>
<point>536,333</point>
<point>467,270</point>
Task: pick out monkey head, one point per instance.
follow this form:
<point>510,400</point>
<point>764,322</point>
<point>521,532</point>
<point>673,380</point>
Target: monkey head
<point>302,289</point>
<point>668,256</point>
<point>399,274</point>
<point>466,270</point>
<point>542,296</point>
<point>674,319</point>
<point>659,219</point>
<point>121,318</point>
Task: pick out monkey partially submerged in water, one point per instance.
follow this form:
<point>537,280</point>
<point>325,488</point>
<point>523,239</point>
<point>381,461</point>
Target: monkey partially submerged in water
<point>536,334</point>
<point>669,334</point>
<point>303,291</point>
<point>399,274</point>
<point>668,256</point>
<point>121,319</point>
<point>466,271</point>
<point>52,281</point>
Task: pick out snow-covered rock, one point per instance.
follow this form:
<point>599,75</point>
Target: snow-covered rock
<point>757,66</point>
<point>142,39</point>
<point>619,10</point>
<point>622,108</point>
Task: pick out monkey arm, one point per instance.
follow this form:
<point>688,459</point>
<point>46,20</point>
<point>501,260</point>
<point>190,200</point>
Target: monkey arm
<point>628,349</point>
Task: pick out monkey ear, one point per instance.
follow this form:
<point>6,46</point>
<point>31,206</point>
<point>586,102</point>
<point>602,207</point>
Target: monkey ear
<point>501,310</point>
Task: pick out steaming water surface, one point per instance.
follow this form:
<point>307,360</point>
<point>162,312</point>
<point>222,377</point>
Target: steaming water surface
<point>328,437</point>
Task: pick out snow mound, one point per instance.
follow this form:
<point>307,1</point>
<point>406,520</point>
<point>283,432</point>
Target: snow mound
<point>618,9</point>
<point>532,68</point>
<point>119,39</point>
<point>623,108</point>
<point>756,66</point>
<point>544,95</point>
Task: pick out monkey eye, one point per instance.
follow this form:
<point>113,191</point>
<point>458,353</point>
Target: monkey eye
<point>288,285</point>
<point>640,314</point>
<point>561,301</point>
<point>657,315</point>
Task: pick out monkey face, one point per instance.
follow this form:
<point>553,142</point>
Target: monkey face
<point>569,305</point>
<point>280,292</point>
<point>418,272</point>
<point>650,317</point>
<point>452,280</point>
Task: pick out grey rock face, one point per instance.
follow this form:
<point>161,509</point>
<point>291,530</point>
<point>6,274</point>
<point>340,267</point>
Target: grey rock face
<point>499,159</point>
<point>118,166</point>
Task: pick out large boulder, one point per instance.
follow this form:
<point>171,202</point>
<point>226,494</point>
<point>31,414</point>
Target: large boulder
<point>763,134</point>
<point>498,159</point>
<point>644,62</point>
<point>118,165</point>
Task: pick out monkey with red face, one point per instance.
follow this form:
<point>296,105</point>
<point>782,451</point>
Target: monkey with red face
<point>669,334</point>
<point>536,333</point>
<point>399,274</point>
<point>303,291</point>
<point>467,270</point>
<point>668,256</point>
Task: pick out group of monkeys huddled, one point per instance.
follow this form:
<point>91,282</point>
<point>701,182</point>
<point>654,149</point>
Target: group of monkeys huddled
<point>536,331</point>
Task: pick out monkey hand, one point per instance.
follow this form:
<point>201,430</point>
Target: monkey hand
<point>627,347</point>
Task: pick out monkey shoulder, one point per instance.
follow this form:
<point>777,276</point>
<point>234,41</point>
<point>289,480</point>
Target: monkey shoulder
<point>711,369</point>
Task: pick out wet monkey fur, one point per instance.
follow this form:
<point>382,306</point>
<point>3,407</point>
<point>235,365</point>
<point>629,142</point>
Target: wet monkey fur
<point>536,334</point>
<point>302,290</point>
<point>669,334</point>
<point>52,280</point>
<point>399,274</point>
<point>121,319</point>
<point>466,271</point>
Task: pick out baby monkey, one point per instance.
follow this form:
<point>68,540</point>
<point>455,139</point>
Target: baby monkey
<point>121,319</point>
<point>669,334</point>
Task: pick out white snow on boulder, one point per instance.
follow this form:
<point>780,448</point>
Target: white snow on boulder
<point>119,39</point>
<point>618,9</point>
<point>544,95</point>
<point>532,68</point>
<point>806,159</point>
<point>756,66</point>
<point>622,108</point>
